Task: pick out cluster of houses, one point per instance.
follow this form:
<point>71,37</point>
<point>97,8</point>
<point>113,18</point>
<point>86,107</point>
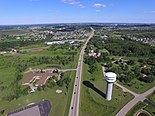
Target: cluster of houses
<point>35,33</point>
<point>80,33</point>
<point>60,34</point>
<point>12,51</point>
<point>94,54</point>
<point>149,40</point>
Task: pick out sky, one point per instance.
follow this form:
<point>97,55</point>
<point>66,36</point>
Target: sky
<point>14,12</point>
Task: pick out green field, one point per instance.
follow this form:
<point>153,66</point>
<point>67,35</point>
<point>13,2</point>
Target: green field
<point>6,75</point>
<point>135,84</point>
<point>94,104</point>
<point>43,51</point>
<point>59,102</point>
<point>138,86</point>
<point>8,67</point>
<point>152,97</point>
<point>141,106</point>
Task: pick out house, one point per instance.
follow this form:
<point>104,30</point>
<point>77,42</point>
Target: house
<point>38,79</point>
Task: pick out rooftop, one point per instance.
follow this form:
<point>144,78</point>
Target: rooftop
<point>39,109</point>
<point>39,77</point>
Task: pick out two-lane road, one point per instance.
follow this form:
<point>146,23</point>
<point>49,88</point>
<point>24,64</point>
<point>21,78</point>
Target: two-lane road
<point>138,97</point>
<point>74,106</point>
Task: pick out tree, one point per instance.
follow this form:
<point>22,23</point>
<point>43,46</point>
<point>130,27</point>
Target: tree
<point>2,111</point>
<point>67,80</point>
<point>145,71</point>
<point>92,68</point>
<point>60,83</point>
<point>50,83</point>
<point>150,79</point>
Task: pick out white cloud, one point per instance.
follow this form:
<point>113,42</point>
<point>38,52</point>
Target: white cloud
<point>97,5</point>
<point>150,12</point>
<point>81,6</point>
<point>73,2</point>
<point>98,10</point>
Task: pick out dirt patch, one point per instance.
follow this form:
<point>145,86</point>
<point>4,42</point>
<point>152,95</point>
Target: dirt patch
<point>36,49</point>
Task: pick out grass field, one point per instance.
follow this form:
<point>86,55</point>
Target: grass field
<point>42,51</point>
<point>152,97</point>
<point>6,75</point>
<point>60,102</point>
<point>94,104</point>
<point>136,108</point>
<point>139,86</point>
<point>141,106</point>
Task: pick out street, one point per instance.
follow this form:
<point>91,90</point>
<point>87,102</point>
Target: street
<point>74,106</point>
<point>139,97</point>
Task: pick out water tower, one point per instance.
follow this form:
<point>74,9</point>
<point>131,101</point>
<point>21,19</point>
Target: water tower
<point>110,77</point>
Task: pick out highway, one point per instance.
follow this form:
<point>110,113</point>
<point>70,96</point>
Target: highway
<point>75,101</point>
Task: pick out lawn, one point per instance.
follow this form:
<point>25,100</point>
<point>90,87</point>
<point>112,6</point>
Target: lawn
<point>152,97</point>
<point>7,75</point>
<point>141,106</point>
<point>138,86</point>
<point>94,104</point>
<point>136,108</point>
<point>58,52</point>
<point>60,102</point>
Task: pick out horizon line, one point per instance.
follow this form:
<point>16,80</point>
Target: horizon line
<point>76,23</point>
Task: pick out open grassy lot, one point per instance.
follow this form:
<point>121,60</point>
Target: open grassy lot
<point>136,108</point>
<point>6,75</point>
<point>93,102</point>
<point>47,51</point>
<point>152,97</point>
<point>141,106</point>
<point>138,86</point>
<point>8,67</point>
<point>59,102</point>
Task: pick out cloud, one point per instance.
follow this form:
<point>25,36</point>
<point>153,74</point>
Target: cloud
<point>73,2</point>
<point>97,5</point>
<point>98,10</point>
<point>150,12</point>
<point>81,6</point>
